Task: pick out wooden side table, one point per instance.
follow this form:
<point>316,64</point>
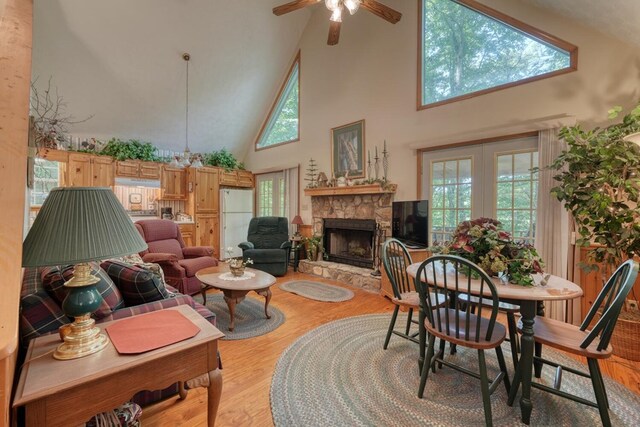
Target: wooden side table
<point>70,392</point>
<point>296,246</point>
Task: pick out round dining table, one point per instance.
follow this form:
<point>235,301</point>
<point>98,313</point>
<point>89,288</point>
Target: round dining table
<point>530,299</point>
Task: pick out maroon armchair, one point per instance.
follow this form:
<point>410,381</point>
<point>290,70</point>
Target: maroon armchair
<point>178,262</point>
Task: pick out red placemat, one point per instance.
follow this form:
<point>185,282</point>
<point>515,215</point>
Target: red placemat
<point>147,332</point>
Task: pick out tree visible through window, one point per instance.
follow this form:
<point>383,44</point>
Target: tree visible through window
<point>283,122</point>
<point>450,196</point>
<point>465,50</point>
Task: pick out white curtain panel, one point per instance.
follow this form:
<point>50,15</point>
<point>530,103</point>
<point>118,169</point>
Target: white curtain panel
<point>552,223</point>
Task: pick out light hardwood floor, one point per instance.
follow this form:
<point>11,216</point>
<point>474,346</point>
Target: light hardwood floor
<point>249,364</point>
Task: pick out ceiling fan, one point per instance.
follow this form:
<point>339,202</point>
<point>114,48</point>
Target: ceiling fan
<point>336,7</point>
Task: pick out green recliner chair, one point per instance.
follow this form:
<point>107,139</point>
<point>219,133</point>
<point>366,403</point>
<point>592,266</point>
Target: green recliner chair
<point>268,244</point>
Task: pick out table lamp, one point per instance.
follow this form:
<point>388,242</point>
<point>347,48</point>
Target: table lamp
<point>297,221</point>
<point>75,226</point>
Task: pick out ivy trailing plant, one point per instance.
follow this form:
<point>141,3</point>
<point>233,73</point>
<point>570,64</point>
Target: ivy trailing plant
<point>131,149</point>
<point>223,159</point>
<point>599,183</point>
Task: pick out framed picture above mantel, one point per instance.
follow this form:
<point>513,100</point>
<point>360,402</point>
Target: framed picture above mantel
<point>347,150</point>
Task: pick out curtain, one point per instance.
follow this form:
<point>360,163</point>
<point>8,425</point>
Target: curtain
<point>552,222</point>
<point>290,196</point>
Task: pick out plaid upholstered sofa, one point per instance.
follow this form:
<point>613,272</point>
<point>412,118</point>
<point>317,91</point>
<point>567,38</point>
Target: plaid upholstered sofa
<point>124,288</point>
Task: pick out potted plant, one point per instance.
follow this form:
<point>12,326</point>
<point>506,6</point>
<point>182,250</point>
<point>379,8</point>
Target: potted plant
<point>314,247</point>
<point>599,183</point>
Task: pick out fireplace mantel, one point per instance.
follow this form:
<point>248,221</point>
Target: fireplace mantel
<point>349,191</point>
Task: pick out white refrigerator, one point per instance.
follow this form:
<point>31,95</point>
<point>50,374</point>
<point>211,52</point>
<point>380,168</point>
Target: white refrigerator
<point>236,210</point>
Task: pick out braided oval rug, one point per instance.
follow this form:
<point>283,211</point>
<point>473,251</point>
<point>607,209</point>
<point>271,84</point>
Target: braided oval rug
<point>339,375</point>
<point>317,291</point>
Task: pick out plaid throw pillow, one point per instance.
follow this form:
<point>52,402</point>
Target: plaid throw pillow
<point>137,285</point>
<point>53,279</point>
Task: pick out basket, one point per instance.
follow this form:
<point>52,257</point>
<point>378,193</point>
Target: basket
<point>626,336</point>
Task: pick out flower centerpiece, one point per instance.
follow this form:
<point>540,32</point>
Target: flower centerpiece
<point>484,242</point>
<point>237,265</point>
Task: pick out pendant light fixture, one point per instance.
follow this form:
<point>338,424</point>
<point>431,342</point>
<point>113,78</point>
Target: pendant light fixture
<point>185,161</point>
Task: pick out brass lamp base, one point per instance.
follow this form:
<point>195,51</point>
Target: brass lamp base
<point>82,339</point>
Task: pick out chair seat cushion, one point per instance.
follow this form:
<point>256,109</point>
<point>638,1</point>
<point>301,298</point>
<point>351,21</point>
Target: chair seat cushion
<point>137,285</point>
<point>193,265</point>
<point>53,279</point>
<point>565,336</point>
<point>265,256</point>
<point>448,332</point>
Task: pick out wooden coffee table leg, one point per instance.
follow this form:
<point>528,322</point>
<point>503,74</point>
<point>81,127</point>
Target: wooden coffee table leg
<point>266,293</point>
<point>231,303</point>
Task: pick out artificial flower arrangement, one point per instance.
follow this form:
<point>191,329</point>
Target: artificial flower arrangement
<point>237,265</point>
<point>484,242</point>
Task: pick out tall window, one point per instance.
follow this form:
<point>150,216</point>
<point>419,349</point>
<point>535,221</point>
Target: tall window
<point>283,122</point>
<point>516,193</point>
<point>468,48</point>
<point>450,196</point>
<point>46,178</point>
<point>271,194</point>
<point>485,180</point>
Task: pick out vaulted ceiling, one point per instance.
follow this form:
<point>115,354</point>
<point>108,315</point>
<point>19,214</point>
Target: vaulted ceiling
<point>121,61</point>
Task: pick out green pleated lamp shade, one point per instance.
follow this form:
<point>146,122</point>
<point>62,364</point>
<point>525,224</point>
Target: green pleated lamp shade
<point>78,225</point>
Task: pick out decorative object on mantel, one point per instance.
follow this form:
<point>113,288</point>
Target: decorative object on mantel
<point>50,121</point>
<point>76,226</point>
<point>347,150</point>
<point>337,7</point>
<point>322,180</point>
<point>484,242</point>
<point>598,182</point>
<point>311,174</point>
<point>357,188</point>
<point>368,165</point>
<point>385,161</point>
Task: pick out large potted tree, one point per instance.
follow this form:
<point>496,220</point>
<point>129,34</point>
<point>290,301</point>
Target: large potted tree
<point>599,183</point>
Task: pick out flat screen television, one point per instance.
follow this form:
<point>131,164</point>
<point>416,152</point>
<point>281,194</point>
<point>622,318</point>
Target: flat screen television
<point>410,223</point>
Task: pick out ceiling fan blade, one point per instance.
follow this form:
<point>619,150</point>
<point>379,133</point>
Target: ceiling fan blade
<point>334,33</point>
<point>379,9</point>
<point>294,5</point>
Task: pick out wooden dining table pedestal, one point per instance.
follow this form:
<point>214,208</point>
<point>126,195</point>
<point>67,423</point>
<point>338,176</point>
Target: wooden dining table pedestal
<point>529,299</point>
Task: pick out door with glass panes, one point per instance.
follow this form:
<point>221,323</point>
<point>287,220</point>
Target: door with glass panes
<point>485,180</point>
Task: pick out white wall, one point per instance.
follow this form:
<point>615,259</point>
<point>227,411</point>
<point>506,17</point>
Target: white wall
<point>371,75</point>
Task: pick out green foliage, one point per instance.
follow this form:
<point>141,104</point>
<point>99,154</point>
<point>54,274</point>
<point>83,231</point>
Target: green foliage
<point>223,159</point>
<point>466,51</point>
<point>600,185</point>
<point>131,149</point>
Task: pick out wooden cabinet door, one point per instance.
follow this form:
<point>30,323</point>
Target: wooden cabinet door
<point>206,190</point>
<point>102,171</point>
<point>229,178</point>
<point>78,172</point>
<point>245,179</point>
<point>173,182</point>
<point>208,232</point>
<point>128,168</point>
<point>150,170</point>
<point>188,234</point>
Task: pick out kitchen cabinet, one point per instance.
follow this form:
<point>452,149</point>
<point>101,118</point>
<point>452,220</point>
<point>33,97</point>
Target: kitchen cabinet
<point>173,182</point>
<point>188,232</point>
<point>417,255</point>
<point>208,232</point>
<point>138,169</point>
<point>236,178</point>
<point>88,170</point>
<point>206,190</point>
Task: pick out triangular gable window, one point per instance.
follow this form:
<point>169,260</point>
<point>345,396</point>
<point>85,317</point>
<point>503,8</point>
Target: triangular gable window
<point>283,123</point>
<point>468,49</point>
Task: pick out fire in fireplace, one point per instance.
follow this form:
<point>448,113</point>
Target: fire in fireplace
<point>350,241</point>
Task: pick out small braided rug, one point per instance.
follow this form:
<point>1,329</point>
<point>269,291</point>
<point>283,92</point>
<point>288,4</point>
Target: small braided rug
<point>250,319</point>
<point>339,375</point>
<point>317,291</point>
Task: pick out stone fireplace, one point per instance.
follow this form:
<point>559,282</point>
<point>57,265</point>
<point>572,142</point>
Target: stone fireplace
<point>350,241</point>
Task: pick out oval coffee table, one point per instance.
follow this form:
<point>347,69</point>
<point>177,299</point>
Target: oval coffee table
<point>235,290</point>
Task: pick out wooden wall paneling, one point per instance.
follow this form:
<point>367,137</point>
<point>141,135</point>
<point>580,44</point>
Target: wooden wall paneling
<point>15,73</point>
<point>208,232</point>
<point>207,190</point>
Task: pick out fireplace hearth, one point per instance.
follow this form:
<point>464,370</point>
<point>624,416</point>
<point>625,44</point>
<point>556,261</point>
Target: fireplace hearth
<point>350,241</point>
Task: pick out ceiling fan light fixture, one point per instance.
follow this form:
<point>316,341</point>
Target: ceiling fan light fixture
<point>352,5</point>
<point>332,5</point>
<point>336,16</point>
